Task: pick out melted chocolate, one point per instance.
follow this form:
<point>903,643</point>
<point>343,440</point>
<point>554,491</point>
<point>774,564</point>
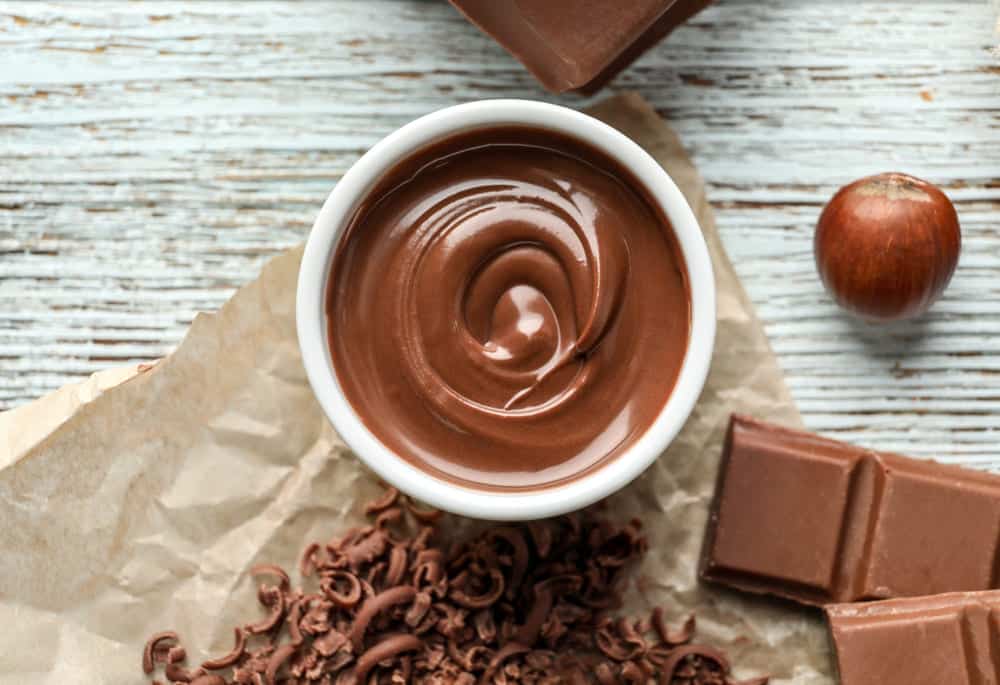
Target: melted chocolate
<point>507,310</point>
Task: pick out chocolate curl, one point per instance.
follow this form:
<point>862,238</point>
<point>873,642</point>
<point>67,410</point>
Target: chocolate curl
<point>365,550</point>
<point>425,516</point>
<point>507,651</point>
<point>275,601</point>
<point>178,674</point>
<point>528,633</point>
<point>621,547</point>
<point>514,538</point>
<point>680,654</point>
<point>316,613</point>
<point>387,518</point>
<point>277,660</point>
<point>307,562</point>
<point>348,538</point>
<point>423,539</point>
<point>344,600</point>
<point>372,606</point>
<point>388,648</point>
<point>148,652</point>
<point>453,622</point>
<point>397,566</point>
<point>597,594</point>
<point>388,499</point>
<point>294,616</point>
<point>466,659</point>
<point>751,681</point>
<point>545,593</point>
<point>329,643</point>
<point>232,657</point>
<point>630,635</point>
<point>207,679</point>
<point>428,568</point>
<point>418,610</point>
<point>375,571</point>
<point>272,570</point>
<point>673,637</point>
<point>486,598</point>
<point>614,646</point>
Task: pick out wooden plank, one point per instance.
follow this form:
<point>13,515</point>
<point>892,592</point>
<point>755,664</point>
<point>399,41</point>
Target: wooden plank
<point>153,155</point>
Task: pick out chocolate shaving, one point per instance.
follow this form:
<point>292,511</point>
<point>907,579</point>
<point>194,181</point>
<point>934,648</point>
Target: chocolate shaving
<point>428,516</point>
<point>344,600</point>
<point>232,657</point>
<point>685,652</point>
<point>388,517</point>
<point>272,570</point>
<point>397,566</point>
<point>209,680</point>
<point>272,620</point>
<point>519,564</point>
<point>418,610</point>
<point>372,606</point>
<point>281,655</point>
<point>178,674</point>
<point>294,617</point>
<point>673,637</point>
<point>151,645</point>
<point>518,604</point>
<point>509,650</point>
<point>307,562</point>
<point>486,597</point>
<point>387,500</point>
<point>386,649</point>
<point>365,550</point>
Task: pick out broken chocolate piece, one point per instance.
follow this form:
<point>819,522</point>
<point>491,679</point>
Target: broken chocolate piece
<point>820,521</point>
<point>577,45</point>
<point>950,638</point>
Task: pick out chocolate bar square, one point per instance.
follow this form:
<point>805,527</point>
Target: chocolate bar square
<point>932,536</point>
<point>779,513</point>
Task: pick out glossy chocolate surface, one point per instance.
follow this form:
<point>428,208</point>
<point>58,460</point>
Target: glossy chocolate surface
<point>820,521</point>
<point>507,310</point>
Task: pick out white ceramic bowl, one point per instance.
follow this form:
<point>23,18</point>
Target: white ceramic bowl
<point>312,317</point>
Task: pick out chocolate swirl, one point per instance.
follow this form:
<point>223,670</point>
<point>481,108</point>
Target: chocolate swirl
<point>507,310</point>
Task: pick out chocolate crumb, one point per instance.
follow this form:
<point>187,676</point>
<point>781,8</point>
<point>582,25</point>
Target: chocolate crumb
<point>515,604</point>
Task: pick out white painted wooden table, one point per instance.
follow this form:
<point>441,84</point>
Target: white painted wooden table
<point>152,156</point>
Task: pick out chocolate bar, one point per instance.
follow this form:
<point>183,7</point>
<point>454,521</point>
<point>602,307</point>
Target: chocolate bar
<point>819,521</point>
<point>952,638</point>
<point>577,45</point>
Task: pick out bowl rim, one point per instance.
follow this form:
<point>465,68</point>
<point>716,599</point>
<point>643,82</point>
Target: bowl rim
<point>311,317</point>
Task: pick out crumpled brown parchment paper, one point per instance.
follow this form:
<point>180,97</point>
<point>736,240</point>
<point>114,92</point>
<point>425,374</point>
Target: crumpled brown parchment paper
<point>139,507</point>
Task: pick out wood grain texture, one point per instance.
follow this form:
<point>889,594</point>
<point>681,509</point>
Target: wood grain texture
<point>153,155</point>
